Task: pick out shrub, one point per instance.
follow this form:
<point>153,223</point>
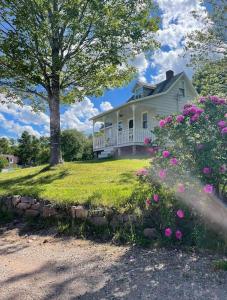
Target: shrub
<point>188,170</point>
<point>3,163</point>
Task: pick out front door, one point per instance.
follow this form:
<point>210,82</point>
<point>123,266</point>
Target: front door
<point>130,131</point>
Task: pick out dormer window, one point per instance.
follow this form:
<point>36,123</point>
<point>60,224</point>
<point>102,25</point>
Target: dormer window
<point>139,93</point>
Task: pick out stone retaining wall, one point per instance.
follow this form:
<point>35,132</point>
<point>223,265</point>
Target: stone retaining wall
<point>30,207</point>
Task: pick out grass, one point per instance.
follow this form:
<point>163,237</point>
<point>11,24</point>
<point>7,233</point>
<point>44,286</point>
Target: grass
<point>107,183</point>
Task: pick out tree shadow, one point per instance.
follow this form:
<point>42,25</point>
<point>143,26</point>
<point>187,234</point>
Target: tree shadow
<point>137,274</point>
<point>29,185</point>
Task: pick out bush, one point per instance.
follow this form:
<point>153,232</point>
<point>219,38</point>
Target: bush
<point>3,163</point>
<point>188,172</point>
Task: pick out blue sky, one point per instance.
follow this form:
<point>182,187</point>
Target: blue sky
<point>177,22</point>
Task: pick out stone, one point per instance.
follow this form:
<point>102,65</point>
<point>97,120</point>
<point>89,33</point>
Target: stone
<point>23,206</point>
<point>129,218</point>
<point>116,221</point>
<point>150,233</point>
<point>36,206</point>
<point>97,212</point>
<point>8,203</point>
<point>49,211</point>
<point>16,200</point>
<point>79,212</point>
<point>28,200</point>
<point>98,221</point>
<point>31,213</point>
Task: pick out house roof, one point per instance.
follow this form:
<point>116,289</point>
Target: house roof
<point>161,87</point>
<point>158,90</point>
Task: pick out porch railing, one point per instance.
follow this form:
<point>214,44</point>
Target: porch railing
<point>125,137</point>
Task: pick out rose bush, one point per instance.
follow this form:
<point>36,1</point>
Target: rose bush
<point>189,162</point>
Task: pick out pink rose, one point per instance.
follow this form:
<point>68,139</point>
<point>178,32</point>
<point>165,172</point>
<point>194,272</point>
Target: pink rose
<point>156,197</point>
<point>162,123</point>
<point>173,161</point>
<point>162,174</point>
<point>208,189</point>
<point>178,234</point>
<point>148,202</point>
<point>180,213</point>
<point>165,153</point>
<point>147,140</point>
<point>224,130</point>
<point>180,119</point>
<point>169,119</point>
<point>206,170</point>
<point>221,123</point>
<point>181,188</point>
<point>168,232</point>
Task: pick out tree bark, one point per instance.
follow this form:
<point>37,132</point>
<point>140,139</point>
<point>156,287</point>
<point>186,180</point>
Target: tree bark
<point>55,128</point>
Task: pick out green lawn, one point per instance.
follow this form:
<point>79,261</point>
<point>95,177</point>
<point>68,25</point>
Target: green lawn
<point>108,183</point>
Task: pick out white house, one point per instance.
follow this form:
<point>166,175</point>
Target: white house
<point>124,128</point>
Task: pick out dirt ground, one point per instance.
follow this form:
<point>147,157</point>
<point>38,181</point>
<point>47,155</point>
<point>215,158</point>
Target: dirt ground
<point>41,266</point>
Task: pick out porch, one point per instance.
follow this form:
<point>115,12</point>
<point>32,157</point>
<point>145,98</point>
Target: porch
<point>124,127</point>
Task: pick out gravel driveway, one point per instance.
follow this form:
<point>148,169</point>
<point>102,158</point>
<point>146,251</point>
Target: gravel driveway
<point>44,267</point>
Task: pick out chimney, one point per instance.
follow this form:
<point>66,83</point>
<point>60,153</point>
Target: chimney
<point>169,74</point>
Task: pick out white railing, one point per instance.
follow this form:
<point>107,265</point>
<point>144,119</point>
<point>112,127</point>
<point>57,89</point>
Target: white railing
<point>125,137</point>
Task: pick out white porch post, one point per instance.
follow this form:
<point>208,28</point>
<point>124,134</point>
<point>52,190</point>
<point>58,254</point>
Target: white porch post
<point>134,129</point>
<point>104,120</point>
<point>117,124</point>
<point>93,133</point>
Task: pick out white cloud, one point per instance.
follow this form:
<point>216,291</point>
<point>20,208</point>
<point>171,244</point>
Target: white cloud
<point>177,23</point>
<point>105,105</point>
<point>141,63</point>
<point>13,127</point>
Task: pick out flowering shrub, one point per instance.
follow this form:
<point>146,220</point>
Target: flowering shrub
<point>189,162</point>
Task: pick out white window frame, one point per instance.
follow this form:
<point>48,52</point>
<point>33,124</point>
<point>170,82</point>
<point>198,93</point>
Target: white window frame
<point>143,113</point>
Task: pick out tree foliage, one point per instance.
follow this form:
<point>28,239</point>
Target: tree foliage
<point>209,43</point>
<point>211,79</point>
<point>61,50</point>
<point>3,162</point>
<point>75,146</point>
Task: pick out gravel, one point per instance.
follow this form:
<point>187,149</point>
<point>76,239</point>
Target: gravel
<point>41,266</point>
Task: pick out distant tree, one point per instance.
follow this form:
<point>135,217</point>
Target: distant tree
<point>43,151</point>
<point>88,153</point>
<point>27,147</point>
<point>5,147</point>
<point>3,163</point>
<point>75,145</point>
<point>211,79</point>
<point>54,51</point>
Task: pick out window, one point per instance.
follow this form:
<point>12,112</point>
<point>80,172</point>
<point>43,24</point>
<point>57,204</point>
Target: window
<point>144,120</point>
<point>139,92</point>
<point>130,124</point>
<point>182,90</point>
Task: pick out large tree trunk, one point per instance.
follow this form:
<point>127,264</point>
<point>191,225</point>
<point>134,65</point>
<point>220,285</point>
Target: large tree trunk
<point>55,129</point>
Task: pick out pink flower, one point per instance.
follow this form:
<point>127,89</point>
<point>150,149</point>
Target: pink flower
<point>180,213</point>
<point>194,118</point>
<point>165,153</point>
<point>206,170</point>
<point>202,99</point>
<point>181,188</point>
<point>223,169</point>
<point>168,232</point>
<point>225,115</point>
<point>162,174</point>
<point>221,123</point>
<point>224,130</point>
<point>156,197</point>
<point>162,123</point>
<point>208,189</point>
<point>169,119</point>
<point>174,161</point>
<point>180,119</point>
<point>148,202</point>
<point>142,172</point>
<point>147,140</point>
<point>178,234</point>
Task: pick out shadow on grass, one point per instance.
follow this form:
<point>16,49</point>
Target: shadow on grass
<point>29,185</point>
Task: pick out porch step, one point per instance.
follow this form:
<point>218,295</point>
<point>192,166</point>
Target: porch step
<point>106,153</point>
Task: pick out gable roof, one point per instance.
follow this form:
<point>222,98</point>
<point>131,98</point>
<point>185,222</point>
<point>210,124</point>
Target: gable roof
<point>161,87</point>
